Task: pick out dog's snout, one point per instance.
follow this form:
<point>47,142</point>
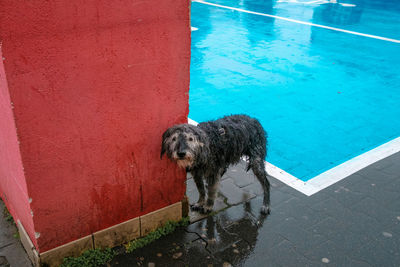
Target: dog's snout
<point>181,154</point>
<point>181,148</point>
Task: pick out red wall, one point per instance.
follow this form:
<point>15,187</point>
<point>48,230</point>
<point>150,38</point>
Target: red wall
<point>94,84</point>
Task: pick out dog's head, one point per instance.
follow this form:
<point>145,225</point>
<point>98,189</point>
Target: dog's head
<point>185,144</point>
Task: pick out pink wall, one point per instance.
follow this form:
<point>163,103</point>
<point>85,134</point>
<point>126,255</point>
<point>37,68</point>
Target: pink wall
<point>13,188</point>
<point>94,84</point>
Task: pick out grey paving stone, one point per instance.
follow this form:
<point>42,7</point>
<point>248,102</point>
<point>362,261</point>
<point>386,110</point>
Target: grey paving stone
<point>191,191</point>
<point>387,200</point>
<point>307,217</point>
<point>219,205</point>
<point>374,254</point>
<point>4,262</point>
<point>392,187</point>
<point>237,170</point>
<point>354,179</point>
<point>264,259</point>
<point>278,197</point>
<point>390,165</point>
<point>233,193</point>
<point>292,207</point>
<point>254,189</point>
<point>394,169</point>
<point>242,179</point>
<point>302,240</point>
<point>350,240</point>
<point>331,207</point>
<point>245,229</point>
<point>328,228</point>
<point>329,254</point>
<point>285,254</point>
<point>216,236</point>
<point>16,255</point>
<point>386,164</point>
<point>235,253</point>
<point>10,247</point>
<point>388,240</point>
<point>233,215</point>
<point>376,175</point>
<point>292,191</point>
<point>345,195</point>
<point>7,228</point>
<point>360,224</point>
<point>315,198</point>
<point>370,207</point>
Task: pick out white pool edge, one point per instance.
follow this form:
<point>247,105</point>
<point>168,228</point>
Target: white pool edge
<point>334,175</point>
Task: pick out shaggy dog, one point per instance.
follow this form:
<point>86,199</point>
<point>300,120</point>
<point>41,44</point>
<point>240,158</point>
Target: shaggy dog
<point>207,150</point>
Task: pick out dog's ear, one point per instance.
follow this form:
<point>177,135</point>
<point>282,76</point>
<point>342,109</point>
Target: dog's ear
<point>162,151</point>
<point>165,135</point>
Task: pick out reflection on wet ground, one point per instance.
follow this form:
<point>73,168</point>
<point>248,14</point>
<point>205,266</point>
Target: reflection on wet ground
<point>228,237</point>
<point>355,222</point>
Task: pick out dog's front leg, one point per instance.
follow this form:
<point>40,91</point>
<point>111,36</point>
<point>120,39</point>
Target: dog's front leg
<point>198,179</point>
<point>212,186</point>
<point>212,194</point>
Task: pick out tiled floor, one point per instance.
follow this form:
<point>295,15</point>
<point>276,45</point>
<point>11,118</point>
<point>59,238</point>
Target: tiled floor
<point>355,222</point>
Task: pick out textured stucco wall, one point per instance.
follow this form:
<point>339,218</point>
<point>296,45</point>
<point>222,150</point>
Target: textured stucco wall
<point>13,190</point>
<point>94,84</point>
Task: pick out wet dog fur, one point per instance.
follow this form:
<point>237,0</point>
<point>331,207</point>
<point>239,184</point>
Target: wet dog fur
<point>207,150</point>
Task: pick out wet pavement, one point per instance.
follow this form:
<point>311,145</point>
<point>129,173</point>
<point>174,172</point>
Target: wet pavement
<point>355,222</point>
<point>11,251</point>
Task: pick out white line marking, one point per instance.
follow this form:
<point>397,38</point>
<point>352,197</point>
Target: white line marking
<point>193,29</point>
<point>347,5</point>
<point>335,174</point>
<point>192,122</point>
<point>351,166</point>
<point>318,2</point>
<point>300,22</point>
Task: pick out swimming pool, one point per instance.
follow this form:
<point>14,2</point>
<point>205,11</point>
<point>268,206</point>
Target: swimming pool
<point>322,77</point>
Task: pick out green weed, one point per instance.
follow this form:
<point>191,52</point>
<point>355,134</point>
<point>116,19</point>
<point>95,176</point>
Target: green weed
<point>90,258</point>
<point>7,215</point>
<point>168,228</point>
<point>99,257</point>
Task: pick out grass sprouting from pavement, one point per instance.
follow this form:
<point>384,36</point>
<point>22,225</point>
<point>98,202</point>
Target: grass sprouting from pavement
<point>99,257</point>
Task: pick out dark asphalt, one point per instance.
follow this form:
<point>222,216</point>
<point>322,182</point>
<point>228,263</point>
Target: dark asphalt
<point>355,222</point>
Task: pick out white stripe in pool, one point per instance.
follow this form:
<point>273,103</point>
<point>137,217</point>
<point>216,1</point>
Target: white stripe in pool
<point>300,22</point>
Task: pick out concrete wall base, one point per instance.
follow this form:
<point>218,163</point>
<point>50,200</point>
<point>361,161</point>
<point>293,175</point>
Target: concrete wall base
<point>106,238</point>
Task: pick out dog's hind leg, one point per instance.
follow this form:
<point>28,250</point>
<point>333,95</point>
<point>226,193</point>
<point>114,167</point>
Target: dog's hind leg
<point>198,179</point>
<point>258,167</point>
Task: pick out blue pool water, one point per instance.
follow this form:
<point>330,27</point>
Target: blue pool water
<point>323,96</point>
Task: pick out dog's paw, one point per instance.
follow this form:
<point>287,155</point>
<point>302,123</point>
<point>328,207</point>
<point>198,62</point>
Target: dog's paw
<point>197,207</point>
<point>206,209</point>
<point>265,210</point>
